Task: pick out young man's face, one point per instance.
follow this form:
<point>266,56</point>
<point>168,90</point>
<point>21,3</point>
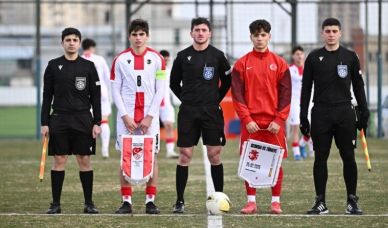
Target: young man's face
<point>71,44</point>
<point>298,57</point>
<point>138,38</point>
<point>200,34</point>
<point>260,40</point>
<point>331,35</point>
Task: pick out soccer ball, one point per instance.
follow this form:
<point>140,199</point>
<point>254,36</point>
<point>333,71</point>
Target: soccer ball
<point>218,203</point>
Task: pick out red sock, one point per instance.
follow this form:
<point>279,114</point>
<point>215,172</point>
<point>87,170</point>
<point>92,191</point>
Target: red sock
<point>278,187</point>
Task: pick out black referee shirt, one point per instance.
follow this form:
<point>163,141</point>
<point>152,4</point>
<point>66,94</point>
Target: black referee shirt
<point>75,87</point>
<point>200,73</point>
<point>332,73</point>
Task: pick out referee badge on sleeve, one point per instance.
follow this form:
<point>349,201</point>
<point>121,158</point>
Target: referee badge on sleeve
<point>80,83</point>
<point>342,71</point>
<point>208,72</point>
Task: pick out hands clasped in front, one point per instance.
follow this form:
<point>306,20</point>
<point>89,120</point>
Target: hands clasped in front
<point>253,127</point>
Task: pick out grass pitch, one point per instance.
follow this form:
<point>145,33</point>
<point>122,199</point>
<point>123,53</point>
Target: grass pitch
<point>24,200</point>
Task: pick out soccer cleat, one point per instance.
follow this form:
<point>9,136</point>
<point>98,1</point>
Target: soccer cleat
<point>319,207</point>
<point>90,208</point>
<point>179,207</point>
<point>172,154</point>
<point>151,208</point>
<point>55,208</point>
<point>275,208</point>
<point>297,157</point>
<point>126,208</point>
<point>249,208</point>
<point>352,207</point>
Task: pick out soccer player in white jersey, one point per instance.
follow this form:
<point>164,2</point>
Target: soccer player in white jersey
<point>89,47</point>
<point>167,113</point>
<point>296,71</point>
<point>138,80</point>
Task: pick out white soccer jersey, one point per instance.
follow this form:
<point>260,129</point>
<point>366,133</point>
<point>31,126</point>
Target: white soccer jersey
<point>138,83</point>
<point>104,75</point>
<point>296,82</point>
<point>166,108</point>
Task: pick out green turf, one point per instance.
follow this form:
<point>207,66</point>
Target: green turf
<point>17,122</point>
<point>22,193</point>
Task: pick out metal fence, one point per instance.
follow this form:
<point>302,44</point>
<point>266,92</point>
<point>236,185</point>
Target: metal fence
<point>293,22</point>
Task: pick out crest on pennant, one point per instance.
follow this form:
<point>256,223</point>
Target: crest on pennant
<point>137,152</point>
<point>342,71</point>
<point>253,155</point>
<point>208,72</point>
<point>80,83</point>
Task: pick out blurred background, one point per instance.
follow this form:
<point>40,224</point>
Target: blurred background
<point>30,36</point>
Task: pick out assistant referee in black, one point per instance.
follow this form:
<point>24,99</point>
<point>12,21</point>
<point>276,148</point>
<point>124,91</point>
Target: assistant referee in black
<point>205,76</point>
<point>71,88</point>
<point>332,70</point>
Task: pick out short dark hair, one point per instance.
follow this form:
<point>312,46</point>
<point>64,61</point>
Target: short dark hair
<point>164,53</point>
<point>331,22</point>
<point>139,24</point>
<point>71,31</point>
<point>88,43</point>
<point>258,25</point>
<point>297,48</point>
<point>200,20</point>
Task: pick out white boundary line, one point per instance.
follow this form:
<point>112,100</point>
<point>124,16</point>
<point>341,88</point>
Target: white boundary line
<point>196,215</point>
<point>212,221</point>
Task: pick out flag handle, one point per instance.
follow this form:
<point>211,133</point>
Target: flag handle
<point>365,149</point>
<point>43,159</point>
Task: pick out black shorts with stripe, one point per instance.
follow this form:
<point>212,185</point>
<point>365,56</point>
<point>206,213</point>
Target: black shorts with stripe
<point>71,134</point>
<point>197,121</point>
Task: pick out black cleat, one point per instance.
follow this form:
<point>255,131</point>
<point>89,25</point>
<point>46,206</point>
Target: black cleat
<point>352,207</point>
<point>126,208</point>
<point>90,208</point>
<point>179,207</point>
<point>151,208</point>
<point>55,208</point>
<point>319,207</point>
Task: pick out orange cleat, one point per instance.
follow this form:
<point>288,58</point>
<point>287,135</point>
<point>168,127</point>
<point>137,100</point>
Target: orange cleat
<point>275,208</point>
<point>249,208</point>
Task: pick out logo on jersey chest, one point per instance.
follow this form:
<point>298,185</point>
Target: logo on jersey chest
<point>208,72</point>
<point>80,83</point>
<point>342,71</point>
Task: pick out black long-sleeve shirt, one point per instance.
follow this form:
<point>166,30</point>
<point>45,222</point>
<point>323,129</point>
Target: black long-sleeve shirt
<point>75,87</point>
<point>200,73</point>
<point>332,73</point>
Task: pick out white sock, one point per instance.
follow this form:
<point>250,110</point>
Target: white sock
<point>275,199</point>
<point>105,137</point>
<point>170,147</point>
<point>127,199</point>
<point>296,150</point>
<point>251,198</point>
<point>149,198</point>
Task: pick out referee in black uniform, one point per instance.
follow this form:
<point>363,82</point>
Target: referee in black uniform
<point>72,82</point>
<point>195,79</point>
<point>333,69</point>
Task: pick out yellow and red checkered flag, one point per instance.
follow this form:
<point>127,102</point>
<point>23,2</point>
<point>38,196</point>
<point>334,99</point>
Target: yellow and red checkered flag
<point>43,159</point>
<point>365,148</point>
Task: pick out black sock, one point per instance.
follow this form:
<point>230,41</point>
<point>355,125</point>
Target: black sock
<point>57,178</point>
<point>218,177</point>
<point>87,184</point>
<point>182,174</point>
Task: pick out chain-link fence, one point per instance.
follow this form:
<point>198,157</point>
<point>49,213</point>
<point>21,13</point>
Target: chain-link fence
<point>106,22</point>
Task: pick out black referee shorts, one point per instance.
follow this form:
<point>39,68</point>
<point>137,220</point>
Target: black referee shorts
<point>71,134</point>
<point>338,121</point>
<point>194,121</point>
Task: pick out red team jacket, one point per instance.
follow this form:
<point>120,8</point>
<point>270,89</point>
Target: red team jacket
<point>261,90</point>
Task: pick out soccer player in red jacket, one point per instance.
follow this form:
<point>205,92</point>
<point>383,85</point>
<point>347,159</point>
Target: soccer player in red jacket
<point>261,90</point>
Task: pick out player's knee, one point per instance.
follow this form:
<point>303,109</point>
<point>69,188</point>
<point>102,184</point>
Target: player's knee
<point>185,156</point>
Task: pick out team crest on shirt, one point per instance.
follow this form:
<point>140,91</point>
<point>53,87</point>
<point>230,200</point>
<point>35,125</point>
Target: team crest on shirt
<point>273,67</point>
<point>80,83</point>
<point>129,61</point>
<point>148,61</point>
<point>208,72</point>
<point>342,71</point>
